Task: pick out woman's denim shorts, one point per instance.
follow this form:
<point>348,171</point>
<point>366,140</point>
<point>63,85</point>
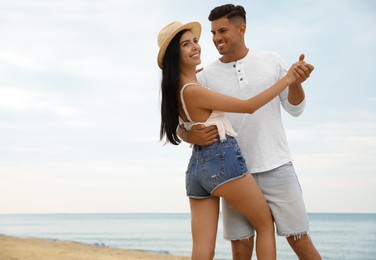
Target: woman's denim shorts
<point>213,165</point>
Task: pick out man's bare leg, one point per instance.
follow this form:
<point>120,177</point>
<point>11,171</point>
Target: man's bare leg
<point>304,248</point>
<point>242,249</point>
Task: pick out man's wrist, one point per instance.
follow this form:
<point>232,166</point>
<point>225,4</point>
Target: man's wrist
<point>183,133</point>
<point>186,135</point>
<point>295,85</point>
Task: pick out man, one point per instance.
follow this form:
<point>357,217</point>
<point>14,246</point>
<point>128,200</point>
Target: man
<point>243,73</point>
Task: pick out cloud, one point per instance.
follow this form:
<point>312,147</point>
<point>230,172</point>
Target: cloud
<point>341,143</point>
<point>20,99</point>
<point>16,98</point>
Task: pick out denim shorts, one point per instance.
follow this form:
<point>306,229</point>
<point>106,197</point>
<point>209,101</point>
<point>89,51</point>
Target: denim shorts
<point>213,165</point>
<point>283,193</point>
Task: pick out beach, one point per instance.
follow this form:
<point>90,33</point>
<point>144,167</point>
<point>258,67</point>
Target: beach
<point>13,248</point>
<point>108,236</point>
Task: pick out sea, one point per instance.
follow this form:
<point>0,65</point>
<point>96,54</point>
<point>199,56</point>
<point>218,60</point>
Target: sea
<point>336,236</point>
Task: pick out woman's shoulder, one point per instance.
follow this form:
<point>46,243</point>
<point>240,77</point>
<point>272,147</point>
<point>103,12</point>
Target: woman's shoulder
<point>192,89</point>
<point>189,88</point>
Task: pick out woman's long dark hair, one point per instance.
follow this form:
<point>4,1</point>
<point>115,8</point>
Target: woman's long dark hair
<point>169,89</point>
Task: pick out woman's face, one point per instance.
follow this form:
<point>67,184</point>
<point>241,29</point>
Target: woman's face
<point>190,50</point>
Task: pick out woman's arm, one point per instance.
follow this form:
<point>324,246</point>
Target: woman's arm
<point>198,97</point>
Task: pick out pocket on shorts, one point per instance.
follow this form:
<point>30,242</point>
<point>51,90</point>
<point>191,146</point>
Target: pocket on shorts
<point>213,167</point>
<point>241,162</point>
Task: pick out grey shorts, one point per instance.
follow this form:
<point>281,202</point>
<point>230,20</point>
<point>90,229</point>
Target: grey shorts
<point>283,193</point>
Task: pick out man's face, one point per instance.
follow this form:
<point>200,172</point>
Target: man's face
<point>226,36</point>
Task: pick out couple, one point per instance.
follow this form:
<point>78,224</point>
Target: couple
<point>245,82</point>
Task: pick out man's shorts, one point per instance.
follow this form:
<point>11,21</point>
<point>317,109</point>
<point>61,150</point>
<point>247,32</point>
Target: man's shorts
<point>283,193</point>
<point>212,166</point>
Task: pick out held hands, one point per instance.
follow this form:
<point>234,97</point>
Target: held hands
<point>299,71</point>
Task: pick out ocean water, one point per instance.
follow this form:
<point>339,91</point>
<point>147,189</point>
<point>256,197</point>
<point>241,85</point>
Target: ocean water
<point>336,236</point>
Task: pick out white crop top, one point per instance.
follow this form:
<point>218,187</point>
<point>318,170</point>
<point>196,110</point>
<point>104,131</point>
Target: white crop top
<point>216,118</point>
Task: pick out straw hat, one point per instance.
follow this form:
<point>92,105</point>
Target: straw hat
<point>168,33</point>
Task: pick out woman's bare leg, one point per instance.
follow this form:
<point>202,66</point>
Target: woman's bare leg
<point>204,224</point>
<point>246,197</point>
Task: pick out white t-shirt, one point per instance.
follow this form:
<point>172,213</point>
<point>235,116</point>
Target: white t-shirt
<point>261,135</point>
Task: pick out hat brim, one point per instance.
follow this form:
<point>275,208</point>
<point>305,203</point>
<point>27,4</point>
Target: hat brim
<point>195,27</point>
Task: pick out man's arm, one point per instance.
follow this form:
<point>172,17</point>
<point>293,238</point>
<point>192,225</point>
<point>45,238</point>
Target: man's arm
<point>199,134</point>
<point>296,91</point>
<point>296,94</point>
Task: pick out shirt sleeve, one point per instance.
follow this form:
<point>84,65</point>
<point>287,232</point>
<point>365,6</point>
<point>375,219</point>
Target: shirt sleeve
<point>294,110</point>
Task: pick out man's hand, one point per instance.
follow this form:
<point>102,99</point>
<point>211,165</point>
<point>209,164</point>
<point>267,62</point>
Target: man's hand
<point>199,134</point>
<point>302,72</point>
<point>202,135</point>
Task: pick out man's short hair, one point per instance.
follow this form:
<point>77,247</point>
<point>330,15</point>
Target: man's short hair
<point>229,11</point>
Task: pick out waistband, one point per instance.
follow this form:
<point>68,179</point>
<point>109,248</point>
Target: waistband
<point>230,140</point>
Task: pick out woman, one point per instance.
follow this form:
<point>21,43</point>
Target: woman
<point>217,170</point>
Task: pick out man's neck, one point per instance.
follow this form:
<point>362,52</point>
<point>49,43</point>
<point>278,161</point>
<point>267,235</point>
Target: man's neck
<point>235,56</point>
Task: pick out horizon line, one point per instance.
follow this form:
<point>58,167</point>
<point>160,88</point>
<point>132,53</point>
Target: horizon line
<point>83,213</point>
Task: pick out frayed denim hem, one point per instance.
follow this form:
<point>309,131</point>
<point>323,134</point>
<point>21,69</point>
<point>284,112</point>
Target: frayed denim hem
<point>238,238</point>
<point>296,236</point>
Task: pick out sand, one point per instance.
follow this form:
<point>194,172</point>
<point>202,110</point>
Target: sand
<point>12,248</point>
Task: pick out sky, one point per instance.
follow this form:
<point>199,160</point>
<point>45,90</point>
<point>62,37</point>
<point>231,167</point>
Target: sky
<point>79,102</point>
